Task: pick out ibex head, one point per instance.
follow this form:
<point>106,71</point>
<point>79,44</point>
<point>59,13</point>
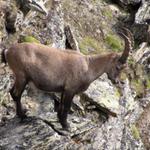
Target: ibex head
<point>118,61</point>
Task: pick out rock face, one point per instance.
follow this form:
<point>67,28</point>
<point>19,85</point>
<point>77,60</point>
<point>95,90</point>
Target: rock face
<point>142,16</point>
<point>105,116</point>
<point>142,56</point>
<point>101,92</point>
<point>71,42</point>
<point>55,24</point>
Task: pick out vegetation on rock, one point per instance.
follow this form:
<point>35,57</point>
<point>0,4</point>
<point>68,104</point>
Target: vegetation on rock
<point>29,39</point>
<point>135,132</point>
<point>90,45</point>
<point>114,42</point>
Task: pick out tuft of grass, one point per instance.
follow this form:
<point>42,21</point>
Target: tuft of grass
<point>117,93</point>
<point>90,45</point>
<point>148,83</point>
<point>114,42</point>
<point>107,13</point>
<point>135,132</point>
<point>138,86</point>
<point>29,39</point>
<point>130,61</point>
<point>123,76</point>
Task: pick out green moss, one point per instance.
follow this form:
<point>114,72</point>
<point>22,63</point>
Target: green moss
<point>138,86</point>
<point>117,93</point>
<point>114,42</point>
<point>135,132</point>
<point>123,76</point>
<point>140,81</point>
<point>131,61</point>
<point>148,83</point>
<point>107,13</point>
<point>90,45</point>
<point>29,39</point>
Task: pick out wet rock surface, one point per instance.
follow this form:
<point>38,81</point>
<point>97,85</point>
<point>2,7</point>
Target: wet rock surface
<point>106,116</point>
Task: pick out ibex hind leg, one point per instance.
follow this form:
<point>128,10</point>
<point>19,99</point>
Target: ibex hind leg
<point>16,93</point>
<point>64,108</point>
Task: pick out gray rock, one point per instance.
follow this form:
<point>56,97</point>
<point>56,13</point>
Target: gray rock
<point>103,93</point>
<point>143,122</point>
<point>140,32</point>
<point>26,5</point>
<point>27,135</point>
<point>142,56</point>
<point>3,33</point>
<point>143,14</point>
<point>55,25</point>
<point>71,42</point>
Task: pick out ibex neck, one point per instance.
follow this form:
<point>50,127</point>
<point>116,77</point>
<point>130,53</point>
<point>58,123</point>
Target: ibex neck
<point>98,65</point>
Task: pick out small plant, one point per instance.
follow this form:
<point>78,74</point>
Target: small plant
<point>107,13</point>
<point>90,45</point>
<point>138,86</point>
<point>117,93</point>
<point>123,76</point>
<point>131,61</point>
<point>114,43</point>
<point>29,39</point>
<point>135,132</point>
<point>148,83</point>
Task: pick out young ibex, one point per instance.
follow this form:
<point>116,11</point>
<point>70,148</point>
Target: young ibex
<point>54,70</point>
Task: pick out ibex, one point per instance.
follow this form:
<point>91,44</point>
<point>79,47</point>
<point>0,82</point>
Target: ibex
<point>54,70</point>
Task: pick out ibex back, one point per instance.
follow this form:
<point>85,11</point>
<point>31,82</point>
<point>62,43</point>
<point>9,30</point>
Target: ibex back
<point>54,70</point>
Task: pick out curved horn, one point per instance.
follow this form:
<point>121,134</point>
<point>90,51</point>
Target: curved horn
<point>130,35</point>
<point>128,38</point>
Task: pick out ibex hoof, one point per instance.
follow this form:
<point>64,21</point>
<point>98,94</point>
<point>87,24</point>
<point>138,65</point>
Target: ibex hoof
<point>22,115</point>
<point>66,127</point>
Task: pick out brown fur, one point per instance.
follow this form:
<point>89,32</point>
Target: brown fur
<point>53,70</point>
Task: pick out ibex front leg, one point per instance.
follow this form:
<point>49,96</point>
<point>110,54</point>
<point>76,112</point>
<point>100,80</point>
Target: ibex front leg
<point>64,108</point>
<point>16,93</point>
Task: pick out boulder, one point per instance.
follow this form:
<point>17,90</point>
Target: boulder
<point>55,24</point>
<point>142,56</point>
<point>142,16</point>
<point>71,42</point>
<point>104,95</point>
